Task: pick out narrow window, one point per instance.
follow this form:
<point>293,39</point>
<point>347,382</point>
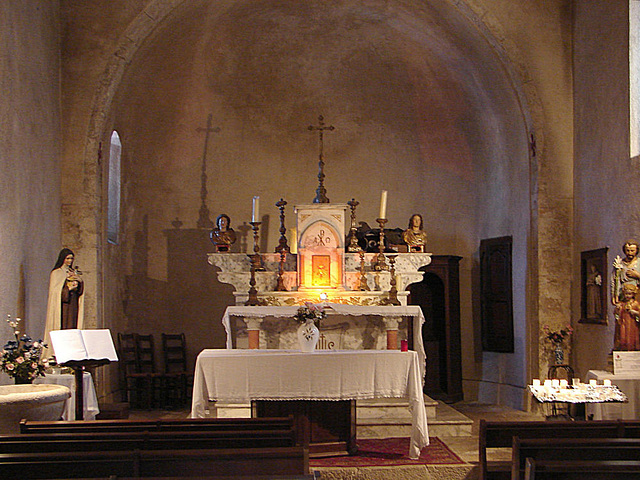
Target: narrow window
<point>113,207</point>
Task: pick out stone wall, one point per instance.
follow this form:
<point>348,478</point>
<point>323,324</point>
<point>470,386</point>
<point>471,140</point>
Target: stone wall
<point>29,159</point>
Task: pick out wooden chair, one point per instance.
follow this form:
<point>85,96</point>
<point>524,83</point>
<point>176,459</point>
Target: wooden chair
<point>128,367</point>
<point>149,379</point>
<point>175,388</point>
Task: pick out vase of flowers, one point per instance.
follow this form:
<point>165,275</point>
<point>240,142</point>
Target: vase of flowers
<point>309,316</point>
<point>21,358</point>
<point>557,338</point>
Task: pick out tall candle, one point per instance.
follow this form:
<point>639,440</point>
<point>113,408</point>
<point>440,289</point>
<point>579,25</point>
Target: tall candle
<point>383,205</point>
<point>255,212</point>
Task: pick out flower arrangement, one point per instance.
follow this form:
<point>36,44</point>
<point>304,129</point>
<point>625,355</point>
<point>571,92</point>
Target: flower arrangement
<point>21,357</point>
<point>557,337</point>
<point>310,311</point>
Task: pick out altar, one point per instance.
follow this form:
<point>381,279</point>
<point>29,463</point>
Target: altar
<point>347,327</point>
<point>273,375</point>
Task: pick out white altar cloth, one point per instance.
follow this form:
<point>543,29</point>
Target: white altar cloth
<point>245,375</point>
<point>629,384</point>
<point>413,311</point>
<point>90,407</point>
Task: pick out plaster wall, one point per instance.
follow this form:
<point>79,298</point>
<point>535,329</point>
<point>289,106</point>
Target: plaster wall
<point>605,175</point>
<point>29,160</point>
<point>424,104</point>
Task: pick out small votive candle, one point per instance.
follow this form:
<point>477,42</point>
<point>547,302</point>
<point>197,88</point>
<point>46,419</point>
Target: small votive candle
<point>606,382</point>
<point>555,383</point>
<point>536,382</point>
<point>575,381</point>
<point>564,383</point>
<point>547,383</point>
<point>593,382</point>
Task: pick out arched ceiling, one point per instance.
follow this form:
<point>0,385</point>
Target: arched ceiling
<point>406,83</point>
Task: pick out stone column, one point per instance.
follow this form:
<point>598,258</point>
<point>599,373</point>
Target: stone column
<point>253,330</point>
<point>391,326</point>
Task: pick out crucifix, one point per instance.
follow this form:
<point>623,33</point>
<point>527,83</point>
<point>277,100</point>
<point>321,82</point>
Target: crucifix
<point>204,221</point>
<point>321,192</point>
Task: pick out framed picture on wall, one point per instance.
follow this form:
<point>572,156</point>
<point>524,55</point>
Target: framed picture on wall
<point>594,283</point>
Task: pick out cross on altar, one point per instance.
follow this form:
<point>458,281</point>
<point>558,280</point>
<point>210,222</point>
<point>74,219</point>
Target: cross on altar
<point>321,192</point>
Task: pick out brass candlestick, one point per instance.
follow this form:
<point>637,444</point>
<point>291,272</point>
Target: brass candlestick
<point>393,292</point>
<point>282,242</point>
<point>353,239</point>
<point>364,286</point>
<point>253,293</point>
<point>280,285</point>
<point>256,259</point>
<point>381,263</point>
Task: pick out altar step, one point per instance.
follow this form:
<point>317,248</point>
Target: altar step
<point>380,418</point>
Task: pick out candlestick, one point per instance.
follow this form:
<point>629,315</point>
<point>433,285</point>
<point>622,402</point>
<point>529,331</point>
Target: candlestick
<point>282,242</point>
<point>253,292</point>
<point>280,284</point>
<point>383,204</point>
<point>364,286</point>
<point>381,263</point>
<point>255,210</point>
<point>393,291</point>
<point>256,259</point>
<point>353,239</point>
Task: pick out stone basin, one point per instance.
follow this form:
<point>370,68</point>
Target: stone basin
<point>30,402</point>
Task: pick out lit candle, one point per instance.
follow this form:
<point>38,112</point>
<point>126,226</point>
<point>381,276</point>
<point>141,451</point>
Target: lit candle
<point>255,212</point>
<point>563,383</point>
<point>606,382</point>
<point>547,383</point>
<point>383,205</point>
<point>593,383</point>
<point>555,383</point>
<point>536,382</point>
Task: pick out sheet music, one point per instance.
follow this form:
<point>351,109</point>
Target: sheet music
<point>74,344</point>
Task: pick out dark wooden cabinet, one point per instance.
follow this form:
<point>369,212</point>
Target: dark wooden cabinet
<point>438,294</point>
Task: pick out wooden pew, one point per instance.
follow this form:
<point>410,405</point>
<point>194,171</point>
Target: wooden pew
<point>206,463</point>
<point>500,435</point>
<point>179,440</point>
<point>127,425</point>
<point>602,458</point>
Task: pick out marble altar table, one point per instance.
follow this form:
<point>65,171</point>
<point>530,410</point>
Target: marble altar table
<point>248,375</point>
<point>384,311</point>
<point>90,407</point>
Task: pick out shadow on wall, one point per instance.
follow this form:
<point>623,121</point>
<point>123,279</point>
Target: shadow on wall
<point>191,301</point>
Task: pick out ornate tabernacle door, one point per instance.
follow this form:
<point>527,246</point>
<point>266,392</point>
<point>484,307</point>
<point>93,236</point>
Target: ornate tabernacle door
<point>321,249</point>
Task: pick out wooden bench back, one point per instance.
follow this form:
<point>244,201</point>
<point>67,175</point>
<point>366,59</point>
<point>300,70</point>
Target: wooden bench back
<point>500,435</point>
<point>585,456</point>
<point>158,463</point>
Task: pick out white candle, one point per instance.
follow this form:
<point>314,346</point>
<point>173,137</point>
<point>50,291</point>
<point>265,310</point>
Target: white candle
<point>606,382</point>
<point>563,383</point>
<point>255,212</point>
<point>536,382</point>
<point>547,383</point>
<point>575,381</point>
<point>555,383</point>
<point>383,205</point>
<point>593,382</point>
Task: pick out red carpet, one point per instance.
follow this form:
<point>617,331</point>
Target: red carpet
<point>388,452</point>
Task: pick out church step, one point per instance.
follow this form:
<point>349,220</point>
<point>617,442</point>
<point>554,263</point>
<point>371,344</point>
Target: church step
<point>445,422</point>
<point>392,407</point>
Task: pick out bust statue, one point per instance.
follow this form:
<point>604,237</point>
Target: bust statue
<point>414,236</point>
<point>223,236</point>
